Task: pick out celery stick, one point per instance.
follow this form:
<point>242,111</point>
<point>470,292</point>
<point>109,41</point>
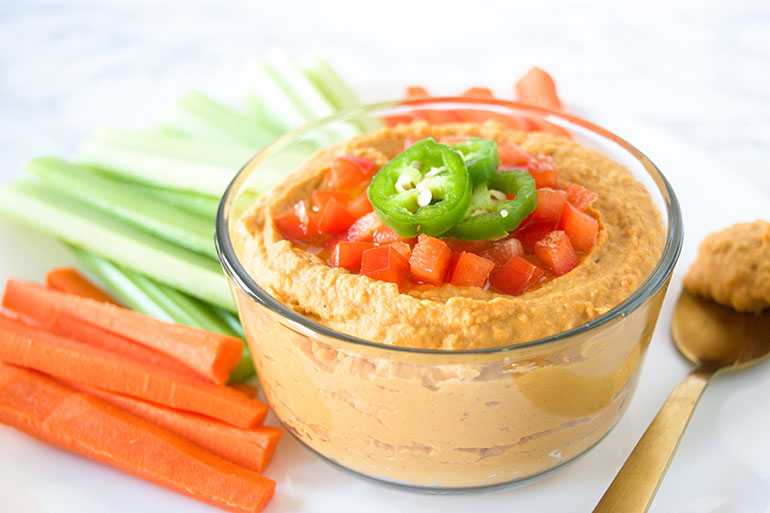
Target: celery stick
<point>270,98</point>
<point>326,80</point>
<point>151,298</point>
<point>199,117</point>
<point>188,230</point>
<point>306,96</point>
<point>163,160</point>
<point>76,224</point>
<point>205,206</point>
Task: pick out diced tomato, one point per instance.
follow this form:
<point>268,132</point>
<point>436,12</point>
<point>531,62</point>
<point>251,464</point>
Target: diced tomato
<point>501,252</point>
<point>384,235</point>
<point>293,223</point>
<point>403,249</point>
<point>469,246</point>
<point>430,260</point>
<point>347,254</point>
<point>318,199</point>
<point>470,270</point>
<point>335,217</point>
<point>416,92</point>
<point>556,252</point>
<point>479,92</point>
<point>513,155</point>
<point>581,228</point>
<point>400,119</point>
<point>549,206</point>
<point>580,197</point>
<point>531,232</point>
<point>516,276</point>
<point>384,263</point>
<point>350,172</point>
<point>331,241</point>
<point>543,170</point>
<point>363,228</point>
<point>360,206</point>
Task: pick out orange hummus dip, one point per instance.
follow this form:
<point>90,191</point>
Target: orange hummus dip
<point>449,419</point>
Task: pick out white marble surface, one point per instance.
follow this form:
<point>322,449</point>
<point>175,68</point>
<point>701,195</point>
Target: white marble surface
<point>689,82</point>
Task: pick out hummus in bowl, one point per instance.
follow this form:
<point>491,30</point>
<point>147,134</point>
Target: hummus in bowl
<point>450,388</point>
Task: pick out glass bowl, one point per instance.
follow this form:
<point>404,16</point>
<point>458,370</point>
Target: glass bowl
<point>433,420</point>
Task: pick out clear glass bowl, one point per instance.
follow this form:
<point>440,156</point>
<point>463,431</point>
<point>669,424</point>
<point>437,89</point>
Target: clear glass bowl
<point>442,421</point>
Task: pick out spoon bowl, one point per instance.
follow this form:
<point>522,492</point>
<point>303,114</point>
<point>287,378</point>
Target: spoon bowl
<point>717,339</point>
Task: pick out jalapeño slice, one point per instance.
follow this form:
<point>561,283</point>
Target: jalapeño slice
<point>491,215</point>
<point>424,189</point>
<point>481,158</point>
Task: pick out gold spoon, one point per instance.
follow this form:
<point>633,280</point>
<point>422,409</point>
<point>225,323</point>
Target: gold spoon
<point>715,338</point>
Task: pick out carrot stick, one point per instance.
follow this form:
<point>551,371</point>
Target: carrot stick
<point>537,88</point>
<point>250,448</point>
<point>71,360</point>
<point>213,355</point>
<point>56,414</point>
<point>413,92</point>
<point>249,391</point>
<point>479,92</point>
<point>72,328</point>
<point>69,279</point>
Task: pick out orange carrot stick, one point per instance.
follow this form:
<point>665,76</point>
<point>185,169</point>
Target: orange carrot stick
<point>249,391</point>
<point>250,448</point>
<point>537,88</point>
<point>56,414</point>
<point>479,92</point>
<point>213,355</point>
<point>413,92</point>
<point>67,359</point>
<point>69,279</point>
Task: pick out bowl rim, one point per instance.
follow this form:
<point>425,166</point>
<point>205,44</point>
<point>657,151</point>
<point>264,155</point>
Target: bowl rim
<point>654,281</point>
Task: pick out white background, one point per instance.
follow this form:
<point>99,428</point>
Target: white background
<point>688,82</point>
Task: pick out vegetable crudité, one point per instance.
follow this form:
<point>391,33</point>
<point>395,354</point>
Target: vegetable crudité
<point>460,211</point>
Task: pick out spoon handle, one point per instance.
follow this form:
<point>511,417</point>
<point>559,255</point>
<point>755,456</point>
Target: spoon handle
<point>635,485</point>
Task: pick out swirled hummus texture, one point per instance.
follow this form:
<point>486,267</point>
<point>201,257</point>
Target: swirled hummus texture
<point>733,267</point>
<point>628,247</point>
<point>450,419</point>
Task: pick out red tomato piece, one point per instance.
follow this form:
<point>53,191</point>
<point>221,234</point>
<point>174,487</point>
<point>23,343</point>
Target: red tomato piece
<point>364,227</point>
<point>580,197</point>
<point>384,235</point>
<point>335,217</point>
<point>581,228</point>
<point>331,241</point>
<point>416,92</point>
<point>403,249</point>
<point>479,92</point>
<point>501,252</point>
<point>384,263</point>
<point>430,260</point>
<point>516,276</point>
<point>470,270</point>
<point>350,172</point>
<point>513,155</point>
<point>543,170</point>
<point>347,254</point>
<point>530,233</point>
<point>469,246</point>
<point>319,199</point>
<point>360,206</point>
<point>293,223</point>
<point>550,203</point>
<point>556,252</point>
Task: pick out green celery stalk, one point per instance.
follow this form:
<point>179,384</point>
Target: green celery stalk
<point>163,160</point>
<point>185,229</point>
<point>205,206</point>
<point>326,80</point>
<point>75,223</point>
<point>199,117</point>
<point>157,300</point>
<point>270,100</point>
